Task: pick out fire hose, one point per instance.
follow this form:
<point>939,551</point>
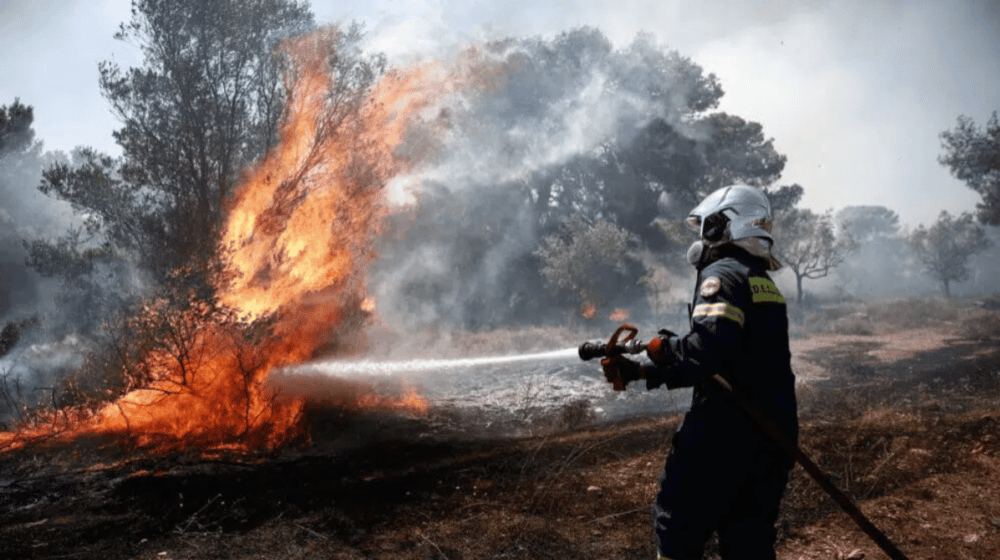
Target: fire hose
<point>630,345</point>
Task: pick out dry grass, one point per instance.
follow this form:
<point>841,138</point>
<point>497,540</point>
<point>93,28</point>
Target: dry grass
<point>975,317</point>
<point>914,438</point>
<point>980,325</point>
<point>915,312</point>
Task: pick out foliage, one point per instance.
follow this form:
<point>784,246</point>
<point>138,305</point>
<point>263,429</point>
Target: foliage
<point>657,162</point>
<point>91,183</point>
<point>20,162</point>
<point>23,210</point>
<point>784,198</point>
<point>584,259</point>
<point>207,101</point>
<point>868,223</point>
<point>93,259</point>
<point>882,263</point>
<point>204,104</point>
<point>973,156</point>
<point>570,126</point>
<point>16,133</point>
<point>808,245</point>
<point>946,247</point>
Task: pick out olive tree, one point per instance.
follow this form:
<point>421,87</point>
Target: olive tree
<point>809,245</point>
<point>590,260</point>
<point>945,247</point>
<point>205,103</point>
<point>881,253</point>
<point>973,156</point>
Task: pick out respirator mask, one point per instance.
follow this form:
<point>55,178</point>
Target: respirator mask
<point>713,231</point>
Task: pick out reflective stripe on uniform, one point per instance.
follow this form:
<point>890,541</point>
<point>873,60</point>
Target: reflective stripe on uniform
<point>721,309</point>
<point>764,290</point>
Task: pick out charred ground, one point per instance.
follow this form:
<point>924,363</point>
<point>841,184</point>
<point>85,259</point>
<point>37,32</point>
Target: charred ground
<point>899,405</point>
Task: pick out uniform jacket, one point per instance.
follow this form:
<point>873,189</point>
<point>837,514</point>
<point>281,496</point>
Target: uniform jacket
<point>739,329</point>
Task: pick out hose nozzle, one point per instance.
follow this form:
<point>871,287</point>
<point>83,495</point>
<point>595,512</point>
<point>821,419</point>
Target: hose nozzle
<point>592,349</point>
<point>597,349</point>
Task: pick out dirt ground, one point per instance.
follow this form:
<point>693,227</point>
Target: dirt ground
<point>903,417</point>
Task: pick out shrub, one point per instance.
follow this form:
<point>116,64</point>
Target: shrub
<point>577,414</point>
<point>913,312</point>
<point>981,325</point>
<point>853,324</point>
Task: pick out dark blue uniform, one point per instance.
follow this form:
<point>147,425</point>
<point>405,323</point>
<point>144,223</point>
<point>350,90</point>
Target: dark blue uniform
<point>723,472</point>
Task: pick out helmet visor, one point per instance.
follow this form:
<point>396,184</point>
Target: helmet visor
<point>694,223</point>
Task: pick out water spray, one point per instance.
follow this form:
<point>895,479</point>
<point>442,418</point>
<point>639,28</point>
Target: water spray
<point>387,368</point>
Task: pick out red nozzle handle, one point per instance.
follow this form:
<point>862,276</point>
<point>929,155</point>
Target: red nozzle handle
<point>632,331</point>
<point>614,350</point>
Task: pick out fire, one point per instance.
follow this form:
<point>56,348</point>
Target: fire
<point>305,220</point>
<point>410,402</point>
<point>619,315</point>
<point>587,310</point>
<point>297,244</point>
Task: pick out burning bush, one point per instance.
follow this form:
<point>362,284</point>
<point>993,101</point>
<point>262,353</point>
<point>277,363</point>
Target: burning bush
<point>294,255</point>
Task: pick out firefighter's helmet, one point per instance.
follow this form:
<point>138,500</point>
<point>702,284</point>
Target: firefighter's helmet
<point>732,213</point>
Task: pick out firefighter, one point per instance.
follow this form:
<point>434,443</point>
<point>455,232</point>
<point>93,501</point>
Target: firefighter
<point>723,473</point>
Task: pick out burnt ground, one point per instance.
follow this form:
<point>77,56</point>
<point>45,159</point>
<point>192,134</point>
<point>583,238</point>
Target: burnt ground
<point>905,422</point>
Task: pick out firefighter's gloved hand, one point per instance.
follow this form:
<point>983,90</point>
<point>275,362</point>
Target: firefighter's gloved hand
<point>659,350</point>
<point>620,371</point>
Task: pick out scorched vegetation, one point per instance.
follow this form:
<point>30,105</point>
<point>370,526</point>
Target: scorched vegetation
<point>903,418</point>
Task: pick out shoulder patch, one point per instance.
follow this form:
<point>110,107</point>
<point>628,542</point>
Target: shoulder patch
<point>764,291</point>
<point>710,286</point>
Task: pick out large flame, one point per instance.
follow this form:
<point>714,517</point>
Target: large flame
<point>298,242</point>
<point>305,219</point>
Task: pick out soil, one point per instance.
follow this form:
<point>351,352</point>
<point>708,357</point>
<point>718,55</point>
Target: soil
<point>905,422</point>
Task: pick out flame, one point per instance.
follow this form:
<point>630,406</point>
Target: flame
<point>221,400</point>
<point>619,315</point>
<point>411,402</point>
<point>587,310</point>
<point>305,219</point>
<point>297,244</point>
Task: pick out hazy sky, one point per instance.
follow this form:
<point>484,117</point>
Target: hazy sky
<point>855,93</point>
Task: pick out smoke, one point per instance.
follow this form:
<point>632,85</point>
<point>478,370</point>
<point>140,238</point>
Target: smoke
<point>462,253</point>
<point>24,213</point>
<point>42,340</point>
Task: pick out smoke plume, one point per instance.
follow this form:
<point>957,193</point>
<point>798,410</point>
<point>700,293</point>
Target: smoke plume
<point>461,253</point>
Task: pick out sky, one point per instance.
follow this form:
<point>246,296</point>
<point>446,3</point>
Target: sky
<point>855,93</point>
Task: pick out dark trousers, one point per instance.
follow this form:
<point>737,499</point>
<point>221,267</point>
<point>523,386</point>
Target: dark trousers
<point>732,486</point>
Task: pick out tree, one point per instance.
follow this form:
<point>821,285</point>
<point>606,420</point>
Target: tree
<point>868,223</point>
<point>589,260</point>
<point>945,247</point>
<point>717,150</point>
<point>681,163</point>
<point>784,198</point>
<point>20,163</point>
<point>808,245</point>
<point>570,126</point>
<point>93,259</point>
<point>204,104</point>
<point>622,134</point>
<point>973,156</point>
<point>16,132</point>
<point>881,252</point>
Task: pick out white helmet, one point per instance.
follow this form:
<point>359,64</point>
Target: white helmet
<point>732,213</point>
